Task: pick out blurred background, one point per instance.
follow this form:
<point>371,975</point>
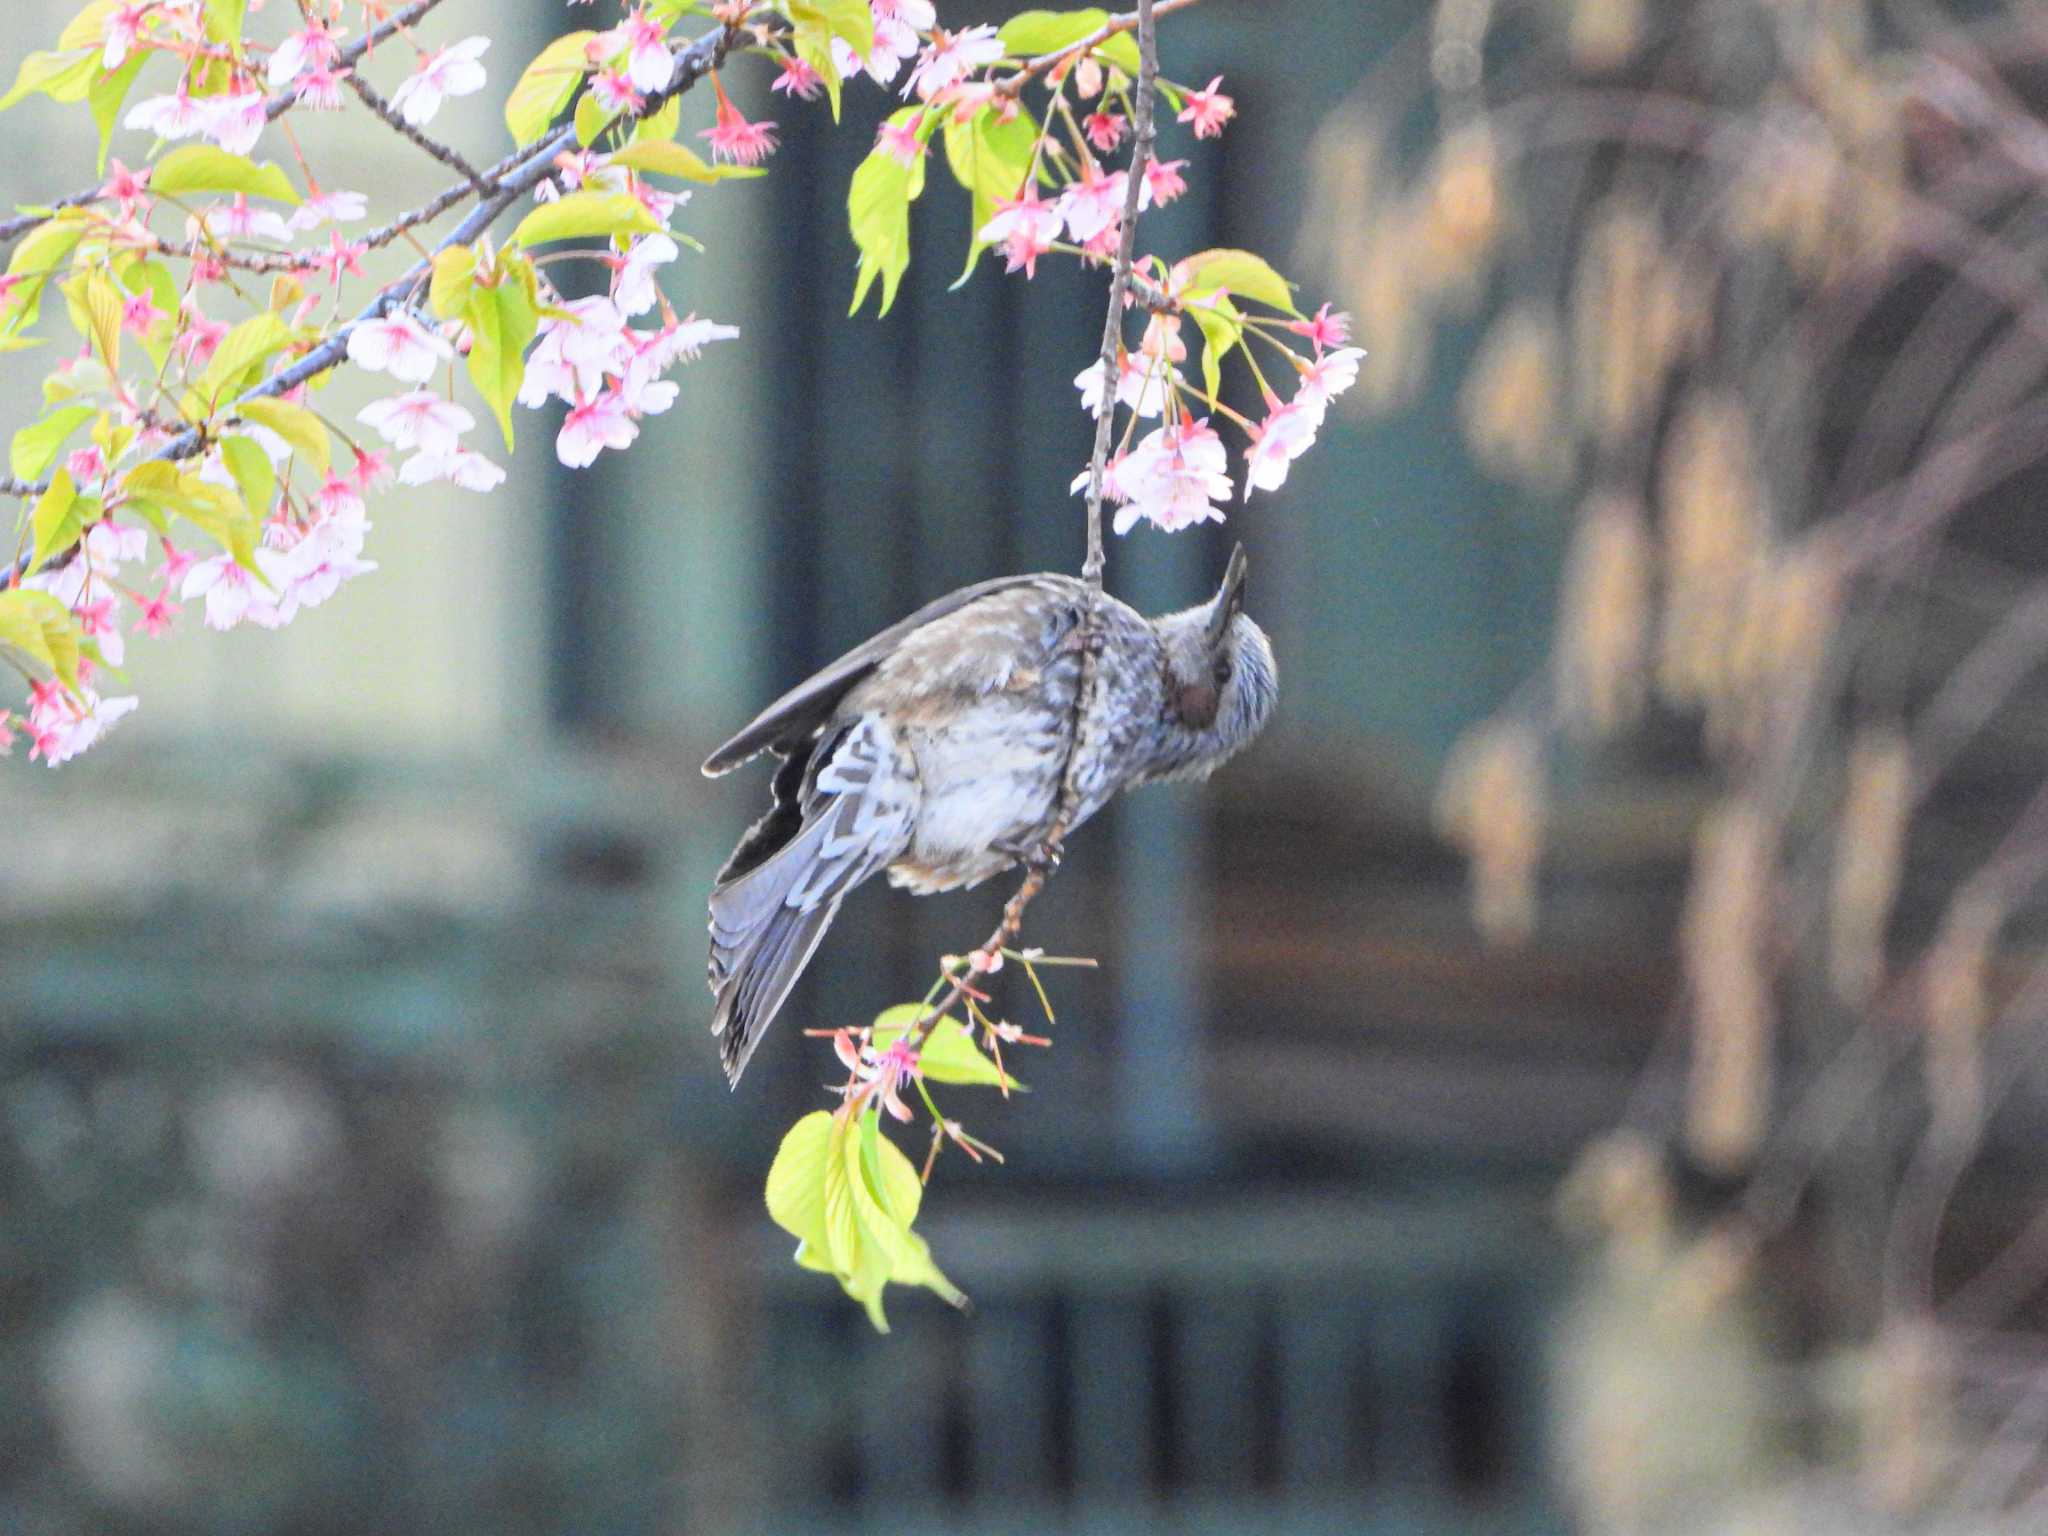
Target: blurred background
<point>1579,1073</point>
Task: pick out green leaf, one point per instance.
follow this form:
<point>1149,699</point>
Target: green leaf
<point>38,635</point>
<point>948,1055</point>
<point>298,426</point>
<point>1241,273</point>
<point>546,85</point>
<point>88,29</point>
<point>250,466</point>
<point>585,213</point>
<point>36,260</point>
<point>224,20</point>
<point>592,118</point>
<point>242,351</point>
<point>1030,33</point>
<point>202,168</point>
<point>796,1180</point>
<point>990,159</point>
<point>814,46</point>
<point>665,157</point>
<point>65,76</point>
<point>853,20</point>
<point>454,277</point>
<point>215,510</point>
<point>35,447</point>
<point>55,522</point>
<point>108,92</point>
<point>878,212</point>
<point>95,305</point>
<point>502,321</point>
<point>1122,51</point>
<point>1222,328</point>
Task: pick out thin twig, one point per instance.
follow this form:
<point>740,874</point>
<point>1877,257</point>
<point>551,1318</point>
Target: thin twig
<point>447,154</point>
<point>275,107</point>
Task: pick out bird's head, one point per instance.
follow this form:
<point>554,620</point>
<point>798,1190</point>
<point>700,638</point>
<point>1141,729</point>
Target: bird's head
<point>1221,682</point>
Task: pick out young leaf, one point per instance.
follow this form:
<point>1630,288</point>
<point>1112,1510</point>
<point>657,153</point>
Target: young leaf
<point>38,635</point>
<point>66,76</point>
<point>1222,328</point>
<point>202,168</point>
<point>585,213</point>
<point>592,118</point>
<point>853,20</point>
<point>245,348</point>
<point>298,426</point>
<point>546,86</point>
<point>41,253</point>
<point>1030,33</point>
<point>250,466</point>
<point>35,447</point>
<point>108,92</point>
<point>665,157</point>
<point>96,311</point>
<point>878,211</point>
<point>502,320</point>
<point>55,522</point>
<point>796,1180</point>
<point>454,277</point>
<point>990,159</point>
<point>1238,272</point>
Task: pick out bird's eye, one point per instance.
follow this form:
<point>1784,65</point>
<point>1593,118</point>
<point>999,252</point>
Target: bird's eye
<point>1221,671</point>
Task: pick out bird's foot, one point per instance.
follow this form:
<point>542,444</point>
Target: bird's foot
<point>1034,855</point>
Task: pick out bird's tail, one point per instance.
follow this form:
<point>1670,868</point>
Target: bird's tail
<point>763,934</point>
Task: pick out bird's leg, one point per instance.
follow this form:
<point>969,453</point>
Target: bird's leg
<point>1036,855</point>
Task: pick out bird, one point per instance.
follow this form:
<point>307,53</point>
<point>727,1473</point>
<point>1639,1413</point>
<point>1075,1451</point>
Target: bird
<point>936,752</point>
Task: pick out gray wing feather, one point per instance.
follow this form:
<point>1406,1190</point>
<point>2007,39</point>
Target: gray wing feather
<point>766,923</point>
<point>805,707</point>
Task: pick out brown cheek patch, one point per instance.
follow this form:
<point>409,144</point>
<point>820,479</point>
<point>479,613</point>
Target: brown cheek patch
<point>1198,705</point>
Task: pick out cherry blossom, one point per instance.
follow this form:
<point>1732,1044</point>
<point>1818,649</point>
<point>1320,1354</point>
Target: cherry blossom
<point>123,27</point>
<point>328,208</point>
<point>733,137</point>
<point>1285,435</point>
<point>1328,377</point>
<point>238,220</point>
<point>1208,109</point>
<point>320,89</point>
<point>1323,329</point>
<point>399,345</point>
<point>62,725</point>
<point>1105,130</point>
<point>452,71</point>
<point>177,116</point>
<point>421,419</point>
<point>129,189</point>
<point>1025,227</point>
<point>311,47</point>
<point>906,146</point>
<point>634,289</point>
<point>593,426</point>
<point>236,122</point>
<point>649,64</point>
<point>464,468</point>
<point>1172,477</point>
<point>1094,205</point>
<point>1164,182</point>
<point>156,613</point>
<point>614,91</point>
<point>341,256</point>
<point>798,79</point>
<point>951,57</point>
<point>1142,384</point>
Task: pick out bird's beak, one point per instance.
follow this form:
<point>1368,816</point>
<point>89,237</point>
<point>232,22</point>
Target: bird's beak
<point>1231,596</point>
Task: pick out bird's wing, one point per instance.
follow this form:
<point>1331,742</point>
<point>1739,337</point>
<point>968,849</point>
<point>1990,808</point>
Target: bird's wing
<point>859,802</point>
<point>806,707</point>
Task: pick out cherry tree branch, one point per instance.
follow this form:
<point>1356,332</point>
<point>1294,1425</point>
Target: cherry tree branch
<point>274,108</point>
<point>1088,634</point>
<point>447,154</point>
<point>1130,21</point>
<point>506,182</point>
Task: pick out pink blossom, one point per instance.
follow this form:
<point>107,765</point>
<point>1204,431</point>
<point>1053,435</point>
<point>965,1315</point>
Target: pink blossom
<point>593,426</point>
<point>1285,435</point>
<point>453,71</point>
<point>329,208</point>
<point>236,122</point>
<point>372,470</point>
<point>1171,478</point>
<point>96,623</point>
<point>1105,130</point>
<point>86,465</point>
<point>902,140</point>
<point>156,614</point>
<point>634,289</point>
<point>339,257</point>
<point>1163,181</point>
<point>1025,226</point>
<point>399,345</point>
<point>140,314</point>
<point>733,137</point>
<point>682,340</point>
<point>198,336</point>
<point>62,725</point>
<point>111,544</point>
<point>951,57</point>
<point>421,419</point>
<point>176,563</point>
<point>1208,109</point>
<point>895,41</point>
<point>1141,384</point>
<point>129,189</point>
<point>228,588</point>
<point>238,220</point>
<point>1093,205</point>
<point>124,27</point>
<point>177,116</point>
<point>1328,377</point>
<point>614,91</point>
<point>918,15</point>
<point>320,88</point>
<point>311,47</point>
<point>463,467</point>
<point>1323,329</point>
<point>649,64</point>
<point>797,79</point>
<point>592,340</point>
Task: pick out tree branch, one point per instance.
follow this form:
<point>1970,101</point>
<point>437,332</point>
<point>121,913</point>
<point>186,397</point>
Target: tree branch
<point>369,96</point>
<point>1130,21</point>
<point>513,177</point>
<point>273,109</point>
